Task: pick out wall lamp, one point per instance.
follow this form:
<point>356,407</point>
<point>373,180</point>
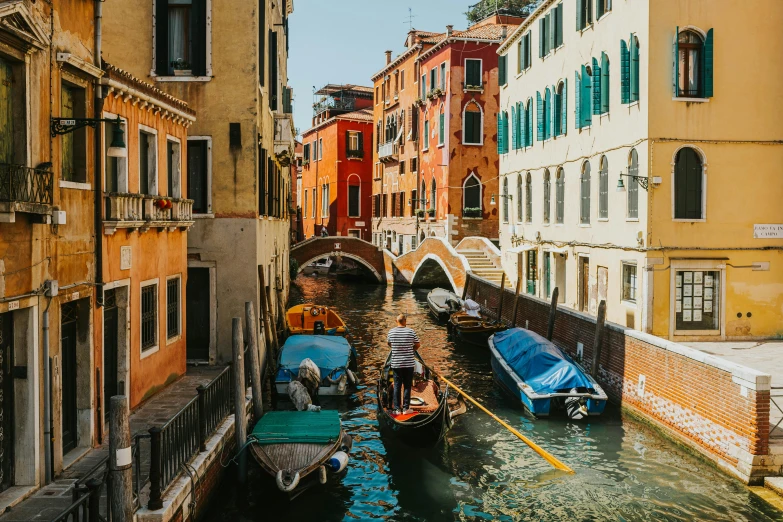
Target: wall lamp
<point>643,181</point>
<point>117,148</point>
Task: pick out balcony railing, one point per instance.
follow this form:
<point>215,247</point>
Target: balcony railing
<point>388,151</point>
<point>25,189</point>
<point>340,104</point>
<point>142,211</point>
<point>354,153</point>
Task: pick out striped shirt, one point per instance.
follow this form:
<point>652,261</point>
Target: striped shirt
<point>402,339</point>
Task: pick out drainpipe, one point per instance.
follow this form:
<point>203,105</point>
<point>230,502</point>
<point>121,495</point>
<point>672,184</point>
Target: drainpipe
<point>47,399</point>
<point>98,170</point>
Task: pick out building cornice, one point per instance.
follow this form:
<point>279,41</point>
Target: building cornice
<point>333,119</point>
<point>454,39</point>
<point>396,61</point>
<point>524,25</point>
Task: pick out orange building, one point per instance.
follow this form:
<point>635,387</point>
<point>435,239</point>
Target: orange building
<point>140,330</point>
<point>337,164</point>
<point>435,160</point>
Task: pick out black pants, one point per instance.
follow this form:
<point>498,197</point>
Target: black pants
<point>402,377</point>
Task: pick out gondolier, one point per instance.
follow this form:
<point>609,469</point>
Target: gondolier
<point>404,342</point>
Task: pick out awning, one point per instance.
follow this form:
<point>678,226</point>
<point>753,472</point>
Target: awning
<point>557,250</point>
<point>399,135</point>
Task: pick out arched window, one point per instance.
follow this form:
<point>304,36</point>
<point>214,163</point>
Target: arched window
<point>633,185</point>
<point>471,197</point>
<point>603,189</point>
<point>688,181</point>
<point>528,198</point>
<point>354,196</point>
<point>560,196</point>
<point>584,209</point>
<point>605,83</point>
<point>520,194</point>
<point>423,196</point>
<point>433,196</point>
<point>547,195</point>
<point>441,125</point>
<point>504,200</point>
<point>472,124</point>
<point>690,66</point>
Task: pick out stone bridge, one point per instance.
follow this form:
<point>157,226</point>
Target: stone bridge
<point>434,263</point>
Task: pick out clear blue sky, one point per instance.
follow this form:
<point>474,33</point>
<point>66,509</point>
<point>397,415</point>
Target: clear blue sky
<point>342,41</point>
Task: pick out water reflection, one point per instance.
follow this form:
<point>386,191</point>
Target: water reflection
<point>624,470</point>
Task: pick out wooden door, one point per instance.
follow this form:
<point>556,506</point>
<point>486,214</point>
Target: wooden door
<point>6,401</point>
<point>110,349</point>
<point>584,289</point>
<point>198,316</point>
<point>6,113</point>
<point>68,375</point>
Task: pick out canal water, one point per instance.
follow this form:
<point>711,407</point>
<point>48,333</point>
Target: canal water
<point>625,471</point>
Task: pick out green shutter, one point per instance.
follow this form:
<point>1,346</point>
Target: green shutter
<point>523,125</point>
<point>559,26</point>
<point>541,52</point>
<point>634,69</point>
<point>577,101</point>
<point>513,128</point>
<point>625,73</point>
<point>502,70</point>
<point>585,102</point>
<point>547,114</point>
<point>708,64</point>
<point>550,30</point>
<point>564,112</point>
<point>596,87</point>
<point>500,133</point>
<point>675,59</point>
<point>505,132</point>
<point>604,83</point>
<point>599,11</point>
<point>580,21</point>
<point>441,128</point>
<point>539,117</point>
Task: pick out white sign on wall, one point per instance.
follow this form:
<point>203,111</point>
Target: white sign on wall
<point>125,258</point>
<point>768,231</point>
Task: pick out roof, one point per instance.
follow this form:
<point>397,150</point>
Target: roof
<point>360,115</point>
<point>536,9</point>
<point>116,74</point>
<point>333,88</point>
<point>488,32</point>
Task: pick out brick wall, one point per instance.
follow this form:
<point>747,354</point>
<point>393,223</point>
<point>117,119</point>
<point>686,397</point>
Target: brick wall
<point>717,407</point>
<point>358,249</point>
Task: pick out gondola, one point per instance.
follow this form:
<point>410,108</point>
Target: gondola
<point>474,330</point>
<point>443,303</point>
<point>311,318</point>
<point>431,417</point>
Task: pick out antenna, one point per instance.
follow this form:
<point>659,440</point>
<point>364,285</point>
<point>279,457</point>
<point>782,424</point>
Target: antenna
<point>411,16</point>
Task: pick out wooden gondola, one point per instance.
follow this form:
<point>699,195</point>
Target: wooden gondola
<point>311,318</point>
<point>474,330</point>
<point>431,417</point>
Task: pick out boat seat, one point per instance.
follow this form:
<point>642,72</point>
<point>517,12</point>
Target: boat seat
<point>427,391</point>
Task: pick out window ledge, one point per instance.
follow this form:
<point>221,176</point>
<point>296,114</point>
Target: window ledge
<point>209,215</point>
<point>634,104</point>
<point>604,16</point>
<point>690,100</point>
<point>603,220</point>
<point>149,351</point>
<point>584,225</point>
<point>586,128</point>
<point>472,218</point>
<point>632,220</point>
<point>676,220</point>
<point>74,185</point>
<point>440,145</point>
<point>182,78</point>
<point>481,91</point>
<point>628,304</point>
<point>603,115</point>
<point>471,145</point>
<point>172,340</point>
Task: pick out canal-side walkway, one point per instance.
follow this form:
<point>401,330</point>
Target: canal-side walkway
<point>51,500</point>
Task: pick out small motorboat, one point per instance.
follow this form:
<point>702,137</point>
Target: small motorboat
<point>333,355</point>
<point>320,267</point>
<point>300,448</point>
<point>311,318</point>
<point>443,303</point>
<point>431,417</point>
<point>472,329</point>
<point>542,376</point>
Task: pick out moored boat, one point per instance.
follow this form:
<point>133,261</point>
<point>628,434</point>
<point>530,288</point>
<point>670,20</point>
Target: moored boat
<point>472,329</point>
<point>320,267</point>
<point>431,417</point>
<point>443,303</point>
<point>542,376</point>
<point>309,318</point>
<point>300,448</point>
<point>333,355</point>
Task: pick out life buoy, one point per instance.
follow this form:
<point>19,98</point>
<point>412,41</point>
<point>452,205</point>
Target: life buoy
<point>351,377</point>
<point>315,312</point>
<point>281,485</point>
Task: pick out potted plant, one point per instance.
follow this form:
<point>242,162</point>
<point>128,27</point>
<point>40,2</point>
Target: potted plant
<point>420,213</point>
<point>471,212</point>
<point>474,87</point>
<point>181,67</point>
<point>418,102</point>
<point>431,212</point>
<point>436,92</point>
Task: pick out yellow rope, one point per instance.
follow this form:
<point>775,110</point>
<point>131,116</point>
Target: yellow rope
<point>535,447</point>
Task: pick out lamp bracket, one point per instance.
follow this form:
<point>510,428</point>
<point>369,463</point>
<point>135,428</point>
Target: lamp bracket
<point>643,181</point>
<point>61,126</point>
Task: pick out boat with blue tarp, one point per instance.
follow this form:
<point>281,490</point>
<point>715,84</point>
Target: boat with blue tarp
<point>333,355</point>
<point>542,376</point>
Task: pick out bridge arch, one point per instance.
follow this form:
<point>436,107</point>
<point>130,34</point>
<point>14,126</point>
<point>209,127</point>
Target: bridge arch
<point>348,255</point>
<point>431,270</point>
<point>356,249</point>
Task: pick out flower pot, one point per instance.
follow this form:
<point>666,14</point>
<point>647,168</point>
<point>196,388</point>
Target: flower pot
<point>183,72</point>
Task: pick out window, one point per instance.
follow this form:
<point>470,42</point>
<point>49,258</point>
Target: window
<point>433,195</point>
<point>116,169</point>
<point>273,69</point>
<point>148,164</point>
<point>320,148</point>
<point>473,74</point>
<point>354,196</point>
<point>524,60</point>
<point>584,209</point>
<point>74,144</point>
<point>306,153</point>
<point>634,72</point>
<point>520,199</point>
<point>423,86</point>
<point>629,282</point>
<point>688,180</point>
<point>547,195</point>
<point>402,167</point>
<point>633,185</point>
<point>603,189</point>
<point>528,131</point>
<point>441,125</point>
<point>604,84</point>
<point>503,133</point>
<point>471,202</point>
<point>544,24</point>
<point>314,200</point>
<point>473,124</point>
<point>174,168</point>
<point>423,202</point>
<point>550,31</point>
<point>304,208</point>
<point>377,95</point>
<point>505,199</point>
<point>426,144</point>
<point>584,14</point>
<point>149,316</point>
<point>532,271</point>
<point>414,165</point>
<point>181,37</point>
<point>529,198</point>
<point>693,64</point>
<point>503,70</point>
<point>172,308</point>
<point>602,7</point>
<point>402,80</point>
<point>443,76</point>
<point>198,174</point>
<point>583,98</point>
<point>12,113</point>
<point>697,300</point>
<point>560,196</point>
<point>315,150</point>
<point>354,144</point>
<point>560,116</point>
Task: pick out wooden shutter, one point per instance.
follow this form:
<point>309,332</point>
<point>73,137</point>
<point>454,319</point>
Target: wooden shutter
<point>596,88</point>
<point>7,109</point>
<point>500,133</point>
<point>513,128</point>
<point>564,111</point>
<point>625,73</point>
<point>502,70</point>
<point>162,38</point>
<point>361,143</point>
<point>272,35</point>
<point>347,141</point>
<point>634,69</point>
<point>547,114</point>
<point>587,91</point>
<point>599,10</point>
<point>559,26</point>
<point>539,117</point>
<point>554,121</point>
<point>199,37</point>
<point>580,15</point>
<point>675,61</point>
<point>577,101</point>
<point>550,24</point>
<point>262,43</point>
<point>708,67</point>
<point>604,83</point>
<point>520,142</point>
<point>541,38</point>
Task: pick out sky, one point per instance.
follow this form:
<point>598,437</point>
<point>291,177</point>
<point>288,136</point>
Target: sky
<point>343,41</point>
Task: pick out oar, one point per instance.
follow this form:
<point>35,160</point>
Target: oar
<point>535,447</point>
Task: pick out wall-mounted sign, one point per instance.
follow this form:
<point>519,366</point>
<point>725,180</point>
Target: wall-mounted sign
<point>768,231</point>
<point>125,258</point>
<point>360,223</point>
<point>13,305</point>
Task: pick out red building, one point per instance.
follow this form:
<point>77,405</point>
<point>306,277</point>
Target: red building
<point>336,184</point>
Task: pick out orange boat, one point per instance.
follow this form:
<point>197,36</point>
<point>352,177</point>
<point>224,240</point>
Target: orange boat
<point>312,319</point>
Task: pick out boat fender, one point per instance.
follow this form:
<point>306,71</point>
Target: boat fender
<point>299,396</point>
<point>310,377</point>
<point>313,407</point>
<point>338,461</point>
<point>342,384</point>
<point>575,408</point>
<point>287,483</point>
<point>351,377</point>
<point>322,474</point>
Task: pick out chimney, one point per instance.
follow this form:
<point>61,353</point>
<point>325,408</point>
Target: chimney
<point>449,30</point>
<point>388,57</point>
<point>504,32</point>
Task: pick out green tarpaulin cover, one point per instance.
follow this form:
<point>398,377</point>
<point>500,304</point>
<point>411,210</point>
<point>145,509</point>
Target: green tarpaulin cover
<point>298,427</point>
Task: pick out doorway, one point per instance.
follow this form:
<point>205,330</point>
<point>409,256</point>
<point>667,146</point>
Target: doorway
<point>6,401</point>
<point>68,347</point>
<point>111,359</point>
<point>560,277</point>
<point>584,283</point>
<point>198,320</point>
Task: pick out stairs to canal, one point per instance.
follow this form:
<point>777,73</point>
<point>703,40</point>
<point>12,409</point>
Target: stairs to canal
<point>484,267</point>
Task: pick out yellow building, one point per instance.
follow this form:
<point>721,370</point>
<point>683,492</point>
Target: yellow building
<point>228,61</point>
<point>665,97</point>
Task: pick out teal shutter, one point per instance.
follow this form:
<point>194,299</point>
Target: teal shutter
<point>708,64</point>
<point>580,11</point>
<point>605,86</point>
<point>553,112</point>
<point>625,73</point>
<point>522,126</point>
<point>586,98</point>
<point>539,117</point>
<point>599,11</point>
<point>500,133</point>
<point>529,116</point>
<point>513,128</point>
<point>577,101</point>
<point>558,25</point>
<point>675,62</point>
<point>596,87</point>
<point>550,25</point>
<point>502,70</point>
<point>564,111</point>
<point>634,69</point>
<point>541,38</point>
<point>441,128</point>
<point>505,132</point>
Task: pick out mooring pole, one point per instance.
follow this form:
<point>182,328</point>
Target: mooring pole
<point>598,340</point>
<point>255,360</point>
<point>550,329</point>
<point>516,302</point>
<point>120,461</point>
<point>262,307</point>
<point>467,282</point>
<point>270,318</point>
<point>240,417</point>
<point>500,304</point>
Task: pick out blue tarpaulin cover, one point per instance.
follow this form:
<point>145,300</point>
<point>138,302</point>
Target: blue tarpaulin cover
<point>538,362</point>
<point>326,351</point>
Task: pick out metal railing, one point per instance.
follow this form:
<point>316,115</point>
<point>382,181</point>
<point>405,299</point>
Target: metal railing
<point>25,184</point>
<point>776,392</point>
<point>86,506</point>
<point>388,149</point>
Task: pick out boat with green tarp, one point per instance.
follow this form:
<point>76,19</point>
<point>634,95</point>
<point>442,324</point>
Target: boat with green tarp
<point>292,445</point>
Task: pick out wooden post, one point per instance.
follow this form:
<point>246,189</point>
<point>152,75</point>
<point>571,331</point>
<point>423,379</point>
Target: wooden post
<point>120,461</point>
<point>270,319</point>
<point>465,288</point>
<point>500,304</point>
<point>240,417</point>
<point>94,503</point>
<point>516,301</point>
<point>268,326</point>
<point>598,340</point>
<point>550,329</point>
<point>255,360</point>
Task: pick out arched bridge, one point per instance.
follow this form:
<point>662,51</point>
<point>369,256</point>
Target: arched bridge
<point>354,248</point>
